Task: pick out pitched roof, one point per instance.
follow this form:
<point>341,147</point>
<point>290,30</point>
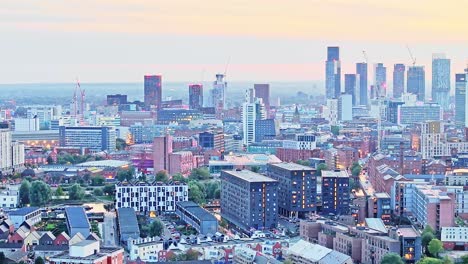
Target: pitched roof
<point>49,234</point>
<point>24,211</point>
<point>76,217</point>
<point>65,235</point>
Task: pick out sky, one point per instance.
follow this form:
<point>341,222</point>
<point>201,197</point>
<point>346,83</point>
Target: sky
<point>192,40</point>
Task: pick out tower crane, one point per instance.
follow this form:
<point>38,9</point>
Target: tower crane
<point>413,59</point>
<point>365,57</point>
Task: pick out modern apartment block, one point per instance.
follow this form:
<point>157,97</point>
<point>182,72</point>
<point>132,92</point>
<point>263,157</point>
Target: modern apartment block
<point>249,200</point>
<point>147,198</point>
<point>379,207</point>
<point>297,188</point>
<point>335,192</point>
<point>11,152</point>
<point>91,137</point>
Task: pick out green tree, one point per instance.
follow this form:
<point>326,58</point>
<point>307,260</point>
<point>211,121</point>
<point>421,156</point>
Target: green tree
<point>39,260</point>
<point>40,193</point>
<point>24,192</point>
<point>98,192</point>
<point>392,258</point>
<point>120,144</point>
<point>428,229</point>
<point>125,175</point>
<point>435,247</point>
<point>447,260</point>
<point>179,177</point>
<point>97,180</point>
<point>196,192</point>
<point>211,189</point>
<point>303,162</point>
<point>356,169</point>
<point>109,189</point>
<point>156,228</point>
<point>428,260</point>
<point>320,168</point>
<point>59,191</point>
<point>200,174</point>
<point>335,130</point>
<point>76,192</point>
<point>426,237</point>
<point>162,176</point>
<point>287,262</point>
<point>464,259</point>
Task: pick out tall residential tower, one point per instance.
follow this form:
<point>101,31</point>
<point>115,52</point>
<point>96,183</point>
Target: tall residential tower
<point>441,80</point>
<point>398,80</point>
<point>333,73</point>
<point>153,91</point>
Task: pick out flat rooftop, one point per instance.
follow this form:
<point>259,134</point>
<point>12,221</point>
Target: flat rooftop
<point>338,174</point>
<point>249,176</point>
<point>291,166</point>
<point>408,232</point>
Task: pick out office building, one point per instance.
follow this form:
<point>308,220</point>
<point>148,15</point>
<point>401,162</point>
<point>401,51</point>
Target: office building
<point>461,84</point>
<point>218,93</point>
<point>153,91</point>
<point>331,112</point>
<point>211,140</point>
<point>333,73</point>
<point>26,124</point>
<point>416,82</point>
<point>351,87</point>
<point>454,238</point>
<point>335,192</point>
<point>379,207</point>
<point>90,252</point>
<point>265,129</point>
<point>162,148</point>
<point>181,162</point>
<point>398,80</point>
<point>149,198</point>
<point>197,217</point>
<point>297,188</point>
<point>345,107</point>
<point>93,138</point>
<point>361,71</point>
<point>196,96</point>
<point>410,115</point>
<point>380,81</point>
<point>11,152</point>
<point>249,200</point>
<point>441,80</point>
<point>180,116</point>
<point>116,99</point>
<point>263,91</point>
<point>253,109</point>
<point>434,141</point>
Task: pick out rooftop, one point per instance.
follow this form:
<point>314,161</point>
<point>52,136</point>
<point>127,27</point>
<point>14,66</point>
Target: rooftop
<point>309,251</point>
<point>408,232</point>
<point>76,217</point>
<point>66,255</point>
<point>382,195</point>
<point>340,173</point>
<point>249,176</point>
<point>376,224</point>
<point>104,163</point>
<point>23,211</point>
<point>128,222</point>
<point>291,166</point>
<point>197,211</point>
<point>246,159</point>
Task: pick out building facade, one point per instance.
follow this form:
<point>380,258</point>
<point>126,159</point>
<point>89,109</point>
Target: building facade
<point>361,70</point>
<point>441,80</point>
<point>93,138</point>
<point>416,82</point>
<point>196,96</point>
<point>398,80</point>
<point>153,90</point>
<point>335,192</point>
<point>333,73</point>
<point>461,84</point>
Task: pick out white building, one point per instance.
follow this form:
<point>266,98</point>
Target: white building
<point>434,142</point>
<point>303,141</point>
<point>345,107</point>
<point>27,124</point>
<point>307,253</point>
<point>9,197</point>
<point>32,214</point>
<point>45,113</point>
<point>150,197</point>
<point>11,152</point>
<point>253,109</point>
<point>94,138</point>
<point>331,112</point>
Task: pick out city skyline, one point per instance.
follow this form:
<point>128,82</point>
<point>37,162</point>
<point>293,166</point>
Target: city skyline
<point>102,41</point>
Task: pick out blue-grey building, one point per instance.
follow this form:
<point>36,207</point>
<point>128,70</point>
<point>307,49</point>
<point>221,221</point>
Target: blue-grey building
<point>380,80</point>
<point>333,73</point>
<point>92,137</point>
<point>393,143</point>
<point>127,224</point>
<point>335,192</point>
<point>153,90</point>
<point>181,116</point>
<point>461,83</point>
<point>379,207</point>
<point>30,214</point>
<point>146,133</point>
<point>200,219</point>
<point>410,115</point>
<point>411,242</point>
<point>351,88</point>
<point>398,80</point>
<point>441,80</point>
<point>249,200</point>
<point>297,188</point>
<point>392,111</point>
<point>416,82</point>
<point>361,70</point>
<point>265,129</point>
<point>211,140</point>
<point>77,221</point>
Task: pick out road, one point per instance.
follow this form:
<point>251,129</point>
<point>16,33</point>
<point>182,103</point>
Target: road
<point>109,230</point>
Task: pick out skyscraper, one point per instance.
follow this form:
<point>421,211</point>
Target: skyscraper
<point>153,91</point>
<point>461,83</point>
<point>162,147</point>
<point>361,70</point>
<point>351,87</point>
<point>441,80</point>
<point>218,93</point>
<point>398,80</point>
<point>333,73</point>
<point>196,96</point>
<point>416,82</point>
<point>263,91</point>
<point>380,80</point>
<point>252,110</point>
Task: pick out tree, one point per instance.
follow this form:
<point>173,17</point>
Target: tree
<point>39,260</point>
<point>428,260</point>
<point>320,168</point>
<point>426,237</point>
<point>287,262</point>
<point>97,180</point>
<point>120,144</point>
<point>428,229</point>
<point>212,189</point>
<point>356,169</point>
<point>76,192</point>
<point>59,192</point>
<point>156,228</point>
<point>303,162</point>
<point>109,189</point>
<point>40,193</point>
<point>435,247</point>
<point>196,192</point>
<point>24,192</point>
<point>335,130</point>
<point>392,258</point>
<point>125,175</point>
<point>200,174</point>
<point>162,176</point>
<point>50,160</point>
<point>464,259</point>
<point>179,177</point>
<point>447,260</point>
<point>2,257</point>
<point>98,192</point>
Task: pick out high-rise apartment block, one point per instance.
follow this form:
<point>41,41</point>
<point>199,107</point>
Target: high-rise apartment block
<point>249,200</point>
<point>351,87</point>
<point>361,70</point>
<point>263,91</point>
<point>218,93</point>
<point>153,90</point>
<point>441,80</point>
<point>335,192</point>
<point>253,109</point>
<point>461,84</point>
<point>333,73</point>
<point>196,96</point>
<point>416,83</point>
<point>380,81</point>
<point>297,188</point>
<point>398,80</point>
<point>162,148</point>
<point>11,152</point>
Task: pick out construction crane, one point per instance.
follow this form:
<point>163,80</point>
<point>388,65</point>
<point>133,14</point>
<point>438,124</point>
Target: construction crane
<point>413,59</point>
<point>365,56</point>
